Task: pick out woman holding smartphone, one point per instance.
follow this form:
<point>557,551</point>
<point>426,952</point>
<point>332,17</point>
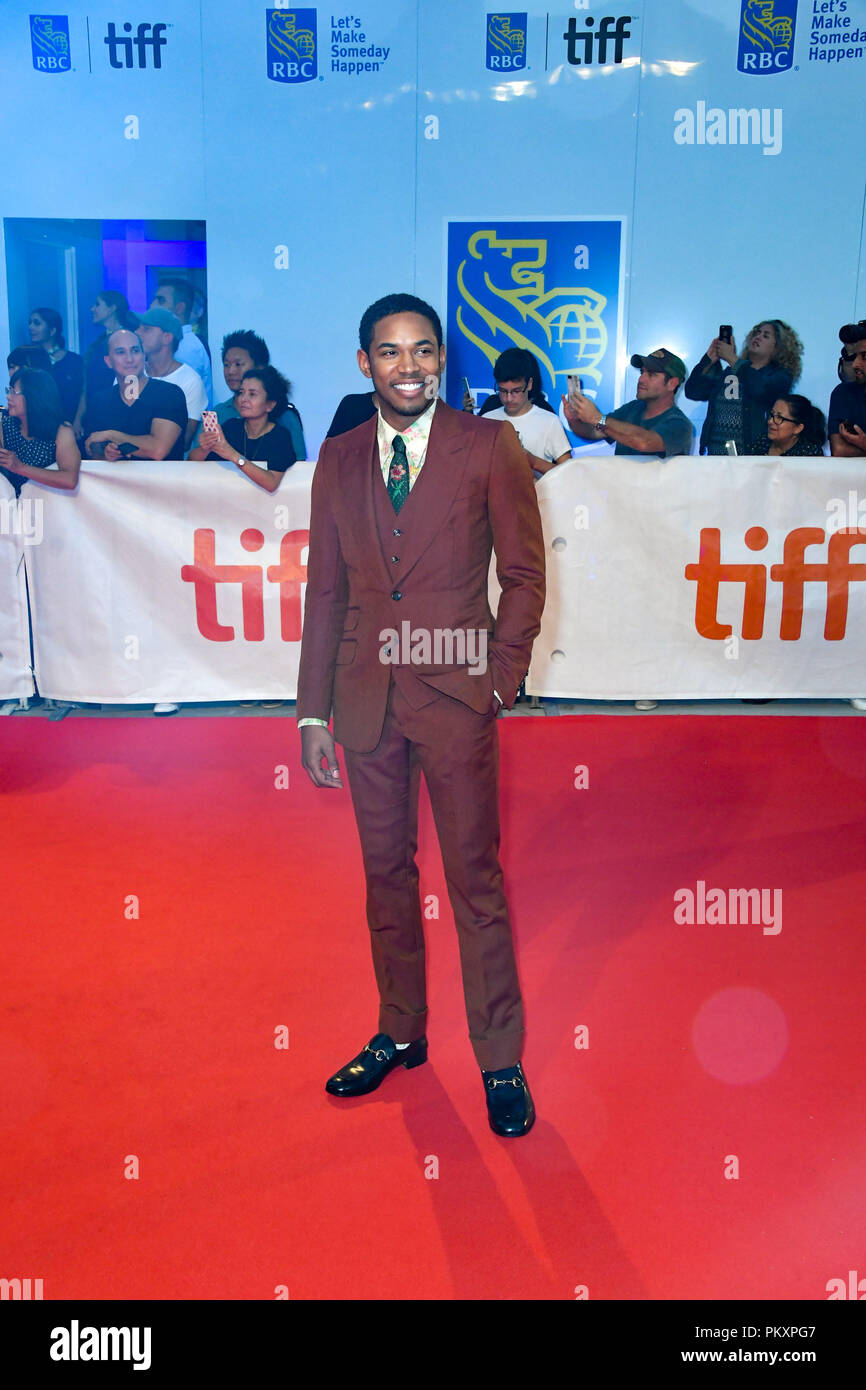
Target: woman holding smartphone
<point>741,389</point>
<point>252,440</point>
<point>34,434</point>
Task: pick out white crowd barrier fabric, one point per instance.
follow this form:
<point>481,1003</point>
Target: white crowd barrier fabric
<point>20,528</point>
<point>170,582</point>
<point>703,577</point>
<point>693,579</point>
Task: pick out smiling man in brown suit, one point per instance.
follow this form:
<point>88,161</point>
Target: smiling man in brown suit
<point>400,642</point>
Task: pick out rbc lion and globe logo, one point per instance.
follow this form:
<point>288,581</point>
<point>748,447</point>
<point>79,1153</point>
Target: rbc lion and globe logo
<point>506,42</point>
<point>766,36</point>
<point>49,42</point>
<point>292,45</point>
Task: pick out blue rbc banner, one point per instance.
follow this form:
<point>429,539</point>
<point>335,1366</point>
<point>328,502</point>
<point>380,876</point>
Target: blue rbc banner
<point>554,288</point>
<point>506,42</point>
<point>767,30</point>
<point>49,42</point>
<point>292,45</point>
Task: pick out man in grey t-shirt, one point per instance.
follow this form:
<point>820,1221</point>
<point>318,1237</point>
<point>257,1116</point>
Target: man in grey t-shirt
<point>650,424</point>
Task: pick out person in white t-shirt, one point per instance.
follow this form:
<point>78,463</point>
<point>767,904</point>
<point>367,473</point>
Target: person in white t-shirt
<point>178,296</point>
<point>160,332</point>
<point>540,431</point>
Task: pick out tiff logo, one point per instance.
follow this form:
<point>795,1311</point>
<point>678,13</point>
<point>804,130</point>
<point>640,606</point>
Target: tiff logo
<point>611,29</point>
<point>23,1289</point>
<point>739,125</point>
<point>794,573</point>
<point>205,574</point>
<point>150,36</point>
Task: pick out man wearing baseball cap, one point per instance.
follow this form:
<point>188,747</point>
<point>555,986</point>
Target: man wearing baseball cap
<point>160,333</point>
<point>651,424</point>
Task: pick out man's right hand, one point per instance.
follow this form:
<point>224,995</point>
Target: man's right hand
<point>317,743</point>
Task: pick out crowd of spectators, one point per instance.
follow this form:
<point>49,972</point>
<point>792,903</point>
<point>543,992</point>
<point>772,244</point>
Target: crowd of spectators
<point>144,391</point>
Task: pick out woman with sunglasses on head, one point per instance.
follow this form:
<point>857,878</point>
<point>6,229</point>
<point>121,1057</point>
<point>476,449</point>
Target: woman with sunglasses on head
<point>35,435</point>
<point>741,388</point>
<point>795,429</point>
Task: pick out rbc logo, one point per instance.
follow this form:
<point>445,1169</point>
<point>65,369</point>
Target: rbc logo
<point>49,42</point>
<point>506,42</point>
<point>291,45</point>
<point>766,36</point>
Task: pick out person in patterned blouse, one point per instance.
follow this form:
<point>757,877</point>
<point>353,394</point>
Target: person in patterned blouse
<point>795,429</point>
<point>34,433</point>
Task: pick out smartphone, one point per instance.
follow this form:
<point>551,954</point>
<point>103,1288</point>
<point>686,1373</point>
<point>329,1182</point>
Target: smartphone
<point>726,332</point>
<point>574,385</point>
<point>127,450</point>
<point>209,420</point>
<point>731,447</point>
<point>466,390</point>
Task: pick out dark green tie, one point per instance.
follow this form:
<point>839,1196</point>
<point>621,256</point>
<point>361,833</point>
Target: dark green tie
<point>398,474</point>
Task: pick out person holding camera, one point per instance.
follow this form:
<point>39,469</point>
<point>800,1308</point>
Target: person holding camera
<point>739,389</point>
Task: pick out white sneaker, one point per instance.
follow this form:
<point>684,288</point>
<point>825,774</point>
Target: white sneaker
<point>646,704</point>
<point>166,709</point>
<point>859,702</point>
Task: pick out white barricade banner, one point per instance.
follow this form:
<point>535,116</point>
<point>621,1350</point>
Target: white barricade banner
<point>170,582</point>
<point>702,577</point>
<point>20,530</point>
<point>688,579</point>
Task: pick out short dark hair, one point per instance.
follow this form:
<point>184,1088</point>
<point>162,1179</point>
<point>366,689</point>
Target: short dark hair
<point>31,355</point>
<point>807,415</point>
<point>183,289</point>
<point>848,333</point>
<point>396,304</point>
<point>42,398</point>
<point>54,321</point>
<point>276,388</point>
<point>518,364</point>
<point>250,342</point>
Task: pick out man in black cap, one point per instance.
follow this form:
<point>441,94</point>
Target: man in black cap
<point>650,424</point>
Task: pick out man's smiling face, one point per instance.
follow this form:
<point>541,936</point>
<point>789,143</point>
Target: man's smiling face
<point>404,363</point>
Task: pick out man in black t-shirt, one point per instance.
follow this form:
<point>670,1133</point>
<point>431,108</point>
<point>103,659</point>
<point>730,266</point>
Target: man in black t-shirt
<point>140,417</point>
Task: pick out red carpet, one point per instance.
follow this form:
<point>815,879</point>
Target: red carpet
<point>709,1045</point>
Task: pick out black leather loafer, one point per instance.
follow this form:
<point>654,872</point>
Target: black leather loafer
<point>369,1069</point>
<point>509,1105</point>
